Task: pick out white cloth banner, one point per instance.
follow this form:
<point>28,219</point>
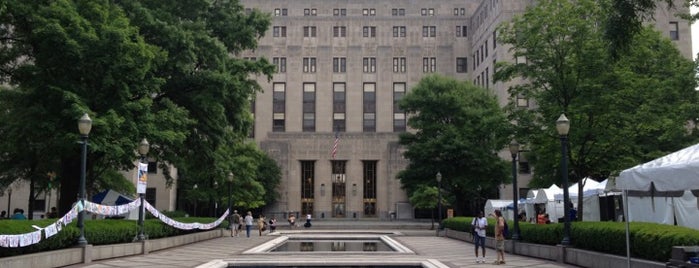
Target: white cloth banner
<point>182,225</point>
<point>106,210</point>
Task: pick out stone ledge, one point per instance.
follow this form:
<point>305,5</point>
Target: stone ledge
<point>89,253</point>
<point>559,253</point>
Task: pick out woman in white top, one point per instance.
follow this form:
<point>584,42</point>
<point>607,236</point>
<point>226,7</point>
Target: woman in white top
<point>248,223</point>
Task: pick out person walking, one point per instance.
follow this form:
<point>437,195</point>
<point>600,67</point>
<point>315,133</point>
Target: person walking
<point>261,224</point>
<point>235,223</point>
<point>480,223</point>
<point>248,223</point>
<point>499,237</point>
<point>292,221</point>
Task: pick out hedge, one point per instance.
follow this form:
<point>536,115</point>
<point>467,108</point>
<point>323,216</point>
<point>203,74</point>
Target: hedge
<point>97,232</point>
<point>649,241</point>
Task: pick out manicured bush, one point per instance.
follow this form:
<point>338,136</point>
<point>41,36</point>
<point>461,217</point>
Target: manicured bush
<point>97,232</point>
<point>649,241</point>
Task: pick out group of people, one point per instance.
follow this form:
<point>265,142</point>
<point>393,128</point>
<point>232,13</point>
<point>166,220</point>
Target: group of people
<point>18,214</point>
<point>237,221</point>
<point>480,224</point>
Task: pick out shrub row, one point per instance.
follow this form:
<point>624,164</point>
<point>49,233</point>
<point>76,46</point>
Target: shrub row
<point>97,232</point>
<point>649,241</point>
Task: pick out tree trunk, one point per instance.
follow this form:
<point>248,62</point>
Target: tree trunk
<point>69,180</point>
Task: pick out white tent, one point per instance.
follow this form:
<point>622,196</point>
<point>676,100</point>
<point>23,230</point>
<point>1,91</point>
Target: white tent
<point>591,187</point>
<point>545,196</point>
<point>492,204</point>
<point>665,189</point>
<point>662,179</point>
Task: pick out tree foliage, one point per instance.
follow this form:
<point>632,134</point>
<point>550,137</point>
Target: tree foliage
<point>161,70</point>
<point>459,128</point>
<point>622,112</point>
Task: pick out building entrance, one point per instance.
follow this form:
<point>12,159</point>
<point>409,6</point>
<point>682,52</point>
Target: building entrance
<point>339,189</point>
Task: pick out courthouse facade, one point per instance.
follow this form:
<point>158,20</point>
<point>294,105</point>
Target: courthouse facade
<point>342,66</point>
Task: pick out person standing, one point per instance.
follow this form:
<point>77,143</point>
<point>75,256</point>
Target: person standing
<point>261,224</point>
<point>235,223</point>
<point>18,214</point>
<point>499,237</point>
<point>480,223</point>
<point>248,223</point>
<point>292,221</point>
<point>308,221</point>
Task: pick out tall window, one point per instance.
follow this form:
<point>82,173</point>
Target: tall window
<point>398,113</point>
<point>310,12</point>
<point>307,182</point>
<point>369,64</point>
<point>399,31</point>
<point>461,31</point>
<point>429,65</point>
<point>369,107</point>
<point>398,12</point>
<point>280,12</point>
<point>369,179</point>
<point>462,65</point>
<point>399,65</point>
<point>339,31</point>
<point>279,107</point>
<point>309,31</point>
<point>279,31</point>
<point>429,31</point>
<point>339,12</point>
<point>280,62</point>
<point>674,31</point>
<point>494,40</point>
<point>339,65</point>
<point>309,65</point>
<point>338,187</point>
<point>339,107</point>
<point>309,107</point>
<point>369,31</point>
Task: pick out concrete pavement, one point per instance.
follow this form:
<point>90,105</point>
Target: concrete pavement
<point>415,236</point>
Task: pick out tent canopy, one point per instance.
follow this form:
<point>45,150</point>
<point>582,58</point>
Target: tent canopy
<point>110,197</point>
<point>591,187</point>
<point>677,171</point>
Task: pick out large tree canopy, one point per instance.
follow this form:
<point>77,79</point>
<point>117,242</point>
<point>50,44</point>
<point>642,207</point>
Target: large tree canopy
<point>159,70</point>
<point>622,112</point>
<point>459,129</point>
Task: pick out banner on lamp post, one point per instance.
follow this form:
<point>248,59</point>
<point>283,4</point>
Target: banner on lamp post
<point>142,179</point>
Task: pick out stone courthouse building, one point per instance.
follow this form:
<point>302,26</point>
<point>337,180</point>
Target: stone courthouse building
<point>343,65</point>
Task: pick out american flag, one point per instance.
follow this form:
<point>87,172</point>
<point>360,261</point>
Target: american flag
<point>337,141</point>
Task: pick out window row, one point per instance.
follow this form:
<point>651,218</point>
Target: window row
<point>369,31</point>
<point>369,64</point>
<point>339,106</point>
<point>365,12</point>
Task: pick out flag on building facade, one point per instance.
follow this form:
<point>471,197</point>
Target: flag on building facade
<point>335,144</point>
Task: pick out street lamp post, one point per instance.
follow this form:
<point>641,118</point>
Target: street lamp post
<point>143,149</point>
<point>514,150</point>
<point>84,125</point>
<point>563,126</point>
<point>194,188</point>
<point>439,201</point>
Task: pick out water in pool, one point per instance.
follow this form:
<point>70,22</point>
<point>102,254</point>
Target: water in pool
<point>333,245</point>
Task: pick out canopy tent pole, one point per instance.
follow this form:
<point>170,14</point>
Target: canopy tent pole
<point>626,220</point>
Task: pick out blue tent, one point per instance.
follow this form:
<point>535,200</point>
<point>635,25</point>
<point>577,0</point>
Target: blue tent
<point>110,197</point>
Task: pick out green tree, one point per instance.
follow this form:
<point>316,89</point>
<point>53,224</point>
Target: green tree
<point>622,112</point>
<point>425,196</point>
<point>159,69</point>
<point>459,129</point>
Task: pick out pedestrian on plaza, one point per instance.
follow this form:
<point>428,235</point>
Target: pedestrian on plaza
<point>3,215</point>
<point>235,223</point>
<point>261,224</point>
<point>272,224</point>
<point>248,223</point>
<point>499,237</point>
<point>292,221</point>
<point>308,221</point>
<point>479,224</point>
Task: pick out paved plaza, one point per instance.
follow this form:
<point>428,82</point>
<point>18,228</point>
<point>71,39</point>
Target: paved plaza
<point>422,241</point>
